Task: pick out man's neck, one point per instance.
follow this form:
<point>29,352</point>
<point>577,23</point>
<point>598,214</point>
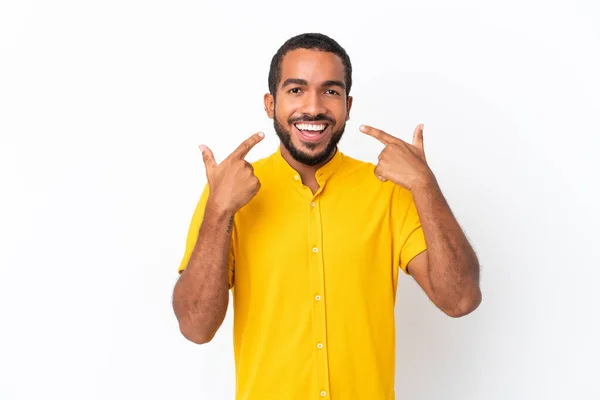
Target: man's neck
<point>307,172</point>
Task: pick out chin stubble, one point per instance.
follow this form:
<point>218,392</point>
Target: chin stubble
<point>298,155</point>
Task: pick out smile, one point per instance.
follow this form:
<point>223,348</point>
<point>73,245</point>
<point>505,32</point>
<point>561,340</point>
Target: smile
<point>311,132</point>
<point>311,127</point>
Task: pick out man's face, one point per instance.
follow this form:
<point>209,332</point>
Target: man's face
<point>311,107</point>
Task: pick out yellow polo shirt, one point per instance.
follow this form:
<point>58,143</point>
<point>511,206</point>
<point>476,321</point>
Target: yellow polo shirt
<point>314,280</point>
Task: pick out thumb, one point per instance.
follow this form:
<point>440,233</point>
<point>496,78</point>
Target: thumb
<point>418,137</point>
<point>208,158</point>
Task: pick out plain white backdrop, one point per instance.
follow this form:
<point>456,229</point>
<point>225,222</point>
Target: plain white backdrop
<point>103,106</point>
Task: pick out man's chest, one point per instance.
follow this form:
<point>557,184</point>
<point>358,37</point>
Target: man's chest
<point>304,240</point>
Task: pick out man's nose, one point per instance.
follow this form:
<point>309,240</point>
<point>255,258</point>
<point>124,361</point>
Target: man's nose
<point>314,105</point>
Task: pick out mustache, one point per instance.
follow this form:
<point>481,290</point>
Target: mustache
<point>310,118</point>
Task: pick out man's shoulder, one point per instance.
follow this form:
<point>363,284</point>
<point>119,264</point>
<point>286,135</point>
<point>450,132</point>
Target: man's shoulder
<point>355,167</point>
<point>262,163</point>
<point>361,174</point>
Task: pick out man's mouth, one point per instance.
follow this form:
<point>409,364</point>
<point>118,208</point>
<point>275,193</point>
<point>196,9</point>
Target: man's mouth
<point>311,132</point>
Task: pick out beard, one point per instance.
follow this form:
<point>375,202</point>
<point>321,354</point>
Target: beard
<point>300,156</point>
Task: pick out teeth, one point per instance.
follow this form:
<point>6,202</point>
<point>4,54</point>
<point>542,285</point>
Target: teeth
<point>310,127</point>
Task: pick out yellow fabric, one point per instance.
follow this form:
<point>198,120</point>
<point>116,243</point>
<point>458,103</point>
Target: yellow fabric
<point>315,281</point>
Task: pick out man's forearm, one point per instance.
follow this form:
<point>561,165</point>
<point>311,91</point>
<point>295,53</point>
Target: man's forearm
<point>201,295</point>
<point>453,267</point>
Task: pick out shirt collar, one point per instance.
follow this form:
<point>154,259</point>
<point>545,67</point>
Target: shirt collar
<point>322,174</point>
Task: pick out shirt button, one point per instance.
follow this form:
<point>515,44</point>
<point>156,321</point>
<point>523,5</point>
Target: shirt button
<point>315,249</point>
<point>312,204</point>
<point>323,393</point>
<point>320,345</point>
<point>317,297</point>
<point>296,177</point>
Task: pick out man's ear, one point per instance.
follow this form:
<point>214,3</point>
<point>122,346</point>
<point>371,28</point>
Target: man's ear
<point>269,105</point>
<point>349,106</point>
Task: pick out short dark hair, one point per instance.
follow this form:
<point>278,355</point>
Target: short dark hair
<point>316,41</point>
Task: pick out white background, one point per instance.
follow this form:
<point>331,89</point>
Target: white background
<point>103,105</point>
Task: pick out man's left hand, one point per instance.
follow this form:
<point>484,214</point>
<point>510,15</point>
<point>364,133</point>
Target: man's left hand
<point>400,162</point>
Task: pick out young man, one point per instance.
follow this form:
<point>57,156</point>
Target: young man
<point>310,242</point>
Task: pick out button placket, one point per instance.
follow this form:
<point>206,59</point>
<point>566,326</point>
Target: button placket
<point>318,285</point>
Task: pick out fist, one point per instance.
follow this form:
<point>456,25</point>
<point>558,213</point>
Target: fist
<point>400,162</point>
<point>232,183</point>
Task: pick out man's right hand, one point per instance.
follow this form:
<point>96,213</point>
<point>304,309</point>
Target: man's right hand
<point>232,183</point>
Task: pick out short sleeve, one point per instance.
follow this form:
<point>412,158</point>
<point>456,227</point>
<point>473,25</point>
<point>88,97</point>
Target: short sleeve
<point>409,240</point>
<point>192,237</point>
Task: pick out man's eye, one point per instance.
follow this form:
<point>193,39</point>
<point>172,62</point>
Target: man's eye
<point>331,91</point>
<point>295,90</point>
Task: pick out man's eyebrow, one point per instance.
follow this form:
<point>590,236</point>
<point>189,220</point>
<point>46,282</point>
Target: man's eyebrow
<point>294,81</point>
<point>334,83</point>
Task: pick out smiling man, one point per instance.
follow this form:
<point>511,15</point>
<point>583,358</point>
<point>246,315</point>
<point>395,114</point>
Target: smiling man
<point>311,241</point>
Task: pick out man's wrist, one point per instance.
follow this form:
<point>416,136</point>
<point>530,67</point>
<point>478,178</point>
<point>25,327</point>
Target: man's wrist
<point>426,184</point>
<point>217,211</point>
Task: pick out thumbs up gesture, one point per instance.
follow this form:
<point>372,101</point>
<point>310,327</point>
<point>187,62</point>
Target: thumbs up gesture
<point>401,162</point>
<point>232,183</point>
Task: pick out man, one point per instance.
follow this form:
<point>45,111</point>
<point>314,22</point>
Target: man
<point>310,242</point>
